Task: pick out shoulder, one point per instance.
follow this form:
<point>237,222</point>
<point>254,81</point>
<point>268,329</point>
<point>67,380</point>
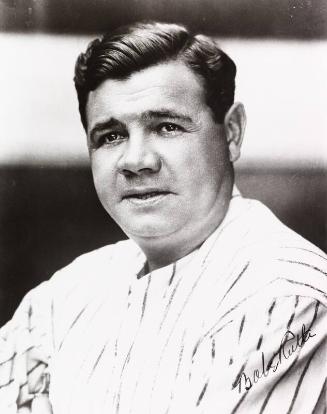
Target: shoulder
<point>74,284</point>
<point>28,340</point>
<point>277,308</point>
<point>92,267</point>
<point>264,227</point>
<point>273,260</point>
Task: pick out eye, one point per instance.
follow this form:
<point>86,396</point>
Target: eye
<point>169,128</point>
<point>110,138</point>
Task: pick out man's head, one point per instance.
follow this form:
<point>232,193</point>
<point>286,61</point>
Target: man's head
<point>127,50</point>
<point>161,147</point>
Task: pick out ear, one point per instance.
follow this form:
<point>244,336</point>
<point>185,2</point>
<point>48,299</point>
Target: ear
<point>234,123</point>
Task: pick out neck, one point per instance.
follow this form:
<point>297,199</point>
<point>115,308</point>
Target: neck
<point>156,261</point>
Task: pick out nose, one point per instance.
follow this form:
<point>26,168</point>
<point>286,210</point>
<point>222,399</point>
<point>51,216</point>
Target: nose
<point>139,157</point>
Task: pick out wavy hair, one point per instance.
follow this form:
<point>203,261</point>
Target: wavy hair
<point>118,54</point>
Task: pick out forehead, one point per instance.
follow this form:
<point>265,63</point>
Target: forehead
<point>170,85</point>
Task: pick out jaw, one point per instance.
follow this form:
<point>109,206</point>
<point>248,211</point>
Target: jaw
<point>162,230</point>
<point>164,249</point>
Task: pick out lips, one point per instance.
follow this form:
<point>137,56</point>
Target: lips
<point>143,194</point>
<point>145,198</point>
<point>146,195</point>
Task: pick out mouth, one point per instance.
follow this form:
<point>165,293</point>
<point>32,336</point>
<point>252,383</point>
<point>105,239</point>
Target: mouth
<point>146,197</point>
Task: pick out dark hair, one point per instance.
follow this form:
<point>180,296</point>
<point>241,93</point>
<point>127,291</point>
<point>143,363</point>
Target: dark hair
<point>118,54</point>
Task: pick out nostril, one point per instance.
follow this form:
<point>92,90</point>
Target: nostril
<point>128,173</point>
<point>143,171</point>
<point>139,162</point>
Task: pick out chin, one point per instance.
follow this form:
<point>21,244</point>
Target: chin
<point>149,230</point>
<point>145,225</point>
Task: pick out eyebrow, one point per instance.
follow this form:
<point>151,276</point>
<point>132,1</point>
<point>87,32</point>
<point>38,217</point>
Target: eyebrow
<point>100,126</point>
<point>164,113</point>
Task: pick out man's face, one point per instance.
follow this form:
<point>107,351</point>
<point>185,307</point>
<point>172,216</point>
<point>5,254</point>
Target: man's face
<point>160,162</point>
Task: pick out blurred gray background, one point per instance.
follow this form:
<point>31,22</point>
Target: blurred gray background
<point>49,212</point>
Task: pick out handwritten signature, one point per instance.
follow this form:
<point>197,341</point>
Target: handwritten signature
<point>290,344</point>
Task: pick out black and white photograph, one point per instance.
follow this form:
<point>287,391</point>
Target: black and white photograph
<point>163,207</point>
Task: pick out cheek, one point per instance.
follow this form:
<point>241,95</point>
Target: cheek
<point>102,164</point>
<point>205,165</point>
<point>103,176</point>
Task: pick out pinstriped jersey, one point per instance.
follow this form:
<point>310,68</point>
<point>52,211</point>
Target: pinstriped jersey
<point>237,326</point>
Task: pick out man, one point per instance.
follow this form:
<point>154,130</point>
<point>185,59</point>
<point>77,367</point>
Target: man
<point>212,305</point>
